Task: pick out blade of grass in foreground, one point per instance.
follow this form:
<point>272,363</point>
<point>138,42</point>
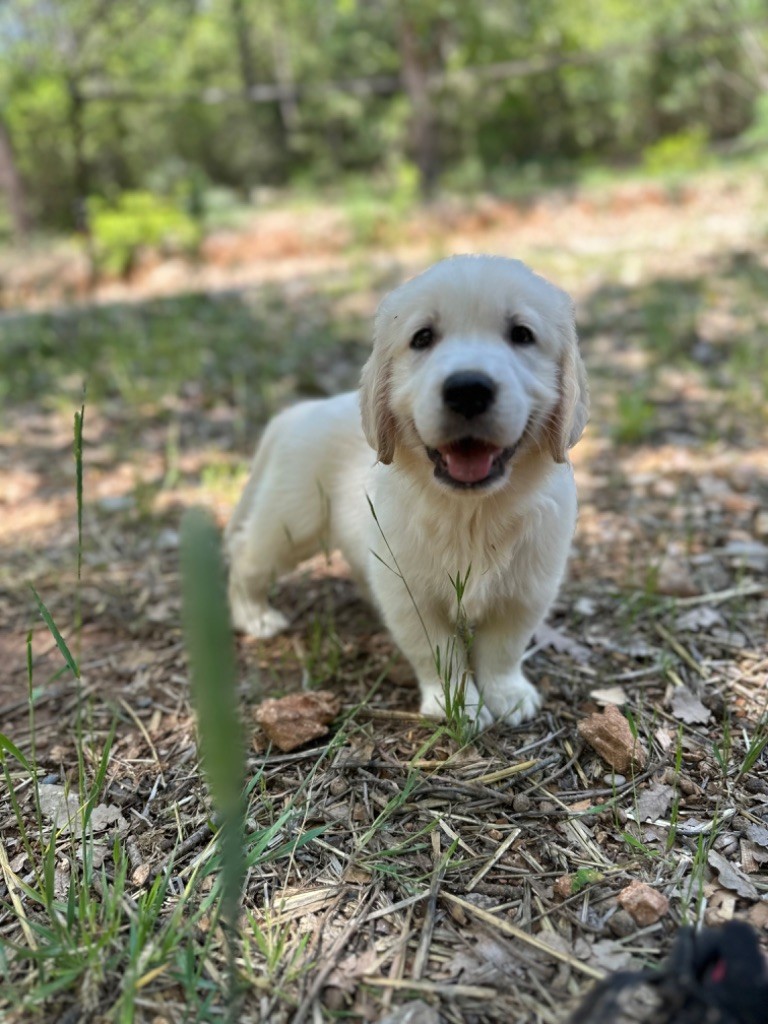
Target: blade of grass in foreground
<point>209,643</point>
<point>54,631</point>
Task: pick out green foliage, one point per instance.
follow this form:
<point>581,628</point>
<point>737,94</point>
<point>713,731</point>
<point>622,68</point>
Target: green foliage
<point>585,877</point>
<point>635,417</point>
<point>138,220</point>
<point>102,98</point>
<point>677,154</point>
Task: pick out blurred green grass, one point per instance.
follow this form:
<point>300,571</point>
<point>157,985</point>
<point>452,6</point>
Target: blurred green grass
<point>244,348</point>
<point>254,349</point>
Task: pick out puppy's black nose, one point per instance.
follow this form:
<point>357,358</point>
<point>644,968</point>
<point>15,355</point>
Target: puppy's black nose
<point>468,393</point>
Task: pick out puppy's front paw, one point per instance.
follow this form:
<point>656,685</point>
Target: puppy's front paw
<point>512,699</point>
<point>256,618</point>
<point>433,704</point>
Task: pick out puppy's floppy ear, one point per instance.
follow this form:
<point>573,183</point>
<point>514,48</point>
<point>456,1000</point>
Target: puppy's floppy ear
<point>378,420</point>
<point>566,425</point>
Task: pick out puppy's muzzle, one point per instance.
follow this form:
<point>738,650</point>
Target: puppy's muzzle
<point>469,393</point>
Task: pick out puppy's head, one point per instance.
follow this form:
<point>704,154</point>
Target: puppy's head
<point>474,360</point>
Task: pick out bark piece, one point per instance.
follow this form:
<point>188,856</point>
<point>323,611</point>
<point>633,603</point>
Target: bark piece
<point>609,734</point>
<point>292,721</point>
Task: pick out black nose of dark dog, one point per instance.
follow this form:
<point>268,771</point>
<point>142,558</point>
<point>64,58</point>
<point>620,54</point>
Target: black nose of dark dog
<point>468,393</point>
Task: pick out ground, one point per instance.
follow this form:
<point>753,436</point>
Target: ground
<point>391,861</point>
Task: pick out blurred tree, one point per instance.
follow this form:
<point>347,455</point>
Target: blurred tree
<point>12,185</point>
<point>55,53</point>
<point>175,95</point>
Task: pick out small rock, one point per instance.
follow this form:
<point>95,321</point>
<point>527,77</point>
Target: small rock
<point>292,721</point>
<point>621,924</point>
<point>563,887</point>
<point>587,606</point>
<point>761,524</point>
<point>521,803</point>
<point>751,554</point>
<point>674,579</point>
<point>644,904</point>
<point>608,733</point>
<point>335,999</point>
<point>167,540</point>
<point>117,502</point>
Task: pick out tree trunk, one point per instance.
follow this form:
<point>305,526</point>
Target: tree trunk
<point>247,69</point>
<point>12,185</point>
<point>423,126</point>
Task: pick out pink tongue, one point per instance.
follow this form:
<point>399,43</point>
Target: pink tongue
<point>469,467</point>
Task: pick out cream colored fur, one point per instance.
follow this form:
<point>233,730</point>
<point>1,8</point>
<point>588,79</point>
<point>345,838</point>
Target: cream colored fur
<point>318,464</point>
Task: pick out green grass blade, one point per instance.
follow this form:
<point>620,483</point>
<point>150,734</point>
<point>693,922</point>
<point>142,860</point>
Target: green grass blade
<point>79,421</point>
<point>210,646</point>
<point>60,641</point>
<point>11,748</point>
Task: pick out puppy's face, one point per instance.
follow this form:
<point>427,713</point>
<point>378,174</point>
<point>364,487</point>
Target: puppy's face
<point>472,360</point>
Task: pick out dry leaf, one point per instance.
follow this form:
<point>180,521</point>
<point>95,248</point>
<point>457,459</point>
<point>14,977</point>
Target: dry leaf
<point>700,618</point>
<point>61,808</point>
<point>687,707</point>
<point>609,734</point>
<point>97,852</point>
<point>484,962</point>
<point>415,1012</point>
<point>731,877</point>
<point>141,874</point>
<point>751,857</point>
<point>757,833</point>
<point>610,955</point>
<point>348,972</point>
<point>609,695</point>
<point>105,816</point>
<point>665,738</point>
<point>757,915</point>
<point>643,903</point>
<point>721,905</point>
<point>292,721</point>
<point>548,636</point>
<point>653,802</point>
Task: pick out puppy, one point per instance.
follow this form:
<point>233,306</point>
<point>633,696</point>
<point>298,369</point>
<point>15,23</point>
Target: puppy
<point>445,477</point>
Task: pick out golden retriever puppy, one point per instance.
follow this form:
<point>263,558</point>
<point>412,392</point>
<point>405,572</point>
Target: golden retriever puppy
<point>449,467</point>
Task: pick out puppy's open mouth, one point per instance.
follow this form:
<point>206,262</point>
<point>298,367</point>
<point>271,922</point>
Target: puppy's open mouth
<point>469,462</point>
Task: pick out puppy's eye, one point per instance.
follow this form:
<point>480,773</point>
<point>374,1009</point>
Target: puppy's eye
<point>423,338</point>
<point>519,334</point>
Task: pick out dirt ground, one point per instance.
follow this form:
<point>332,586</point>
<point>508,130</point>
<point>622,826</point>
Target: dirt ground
<point>480,882</point>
